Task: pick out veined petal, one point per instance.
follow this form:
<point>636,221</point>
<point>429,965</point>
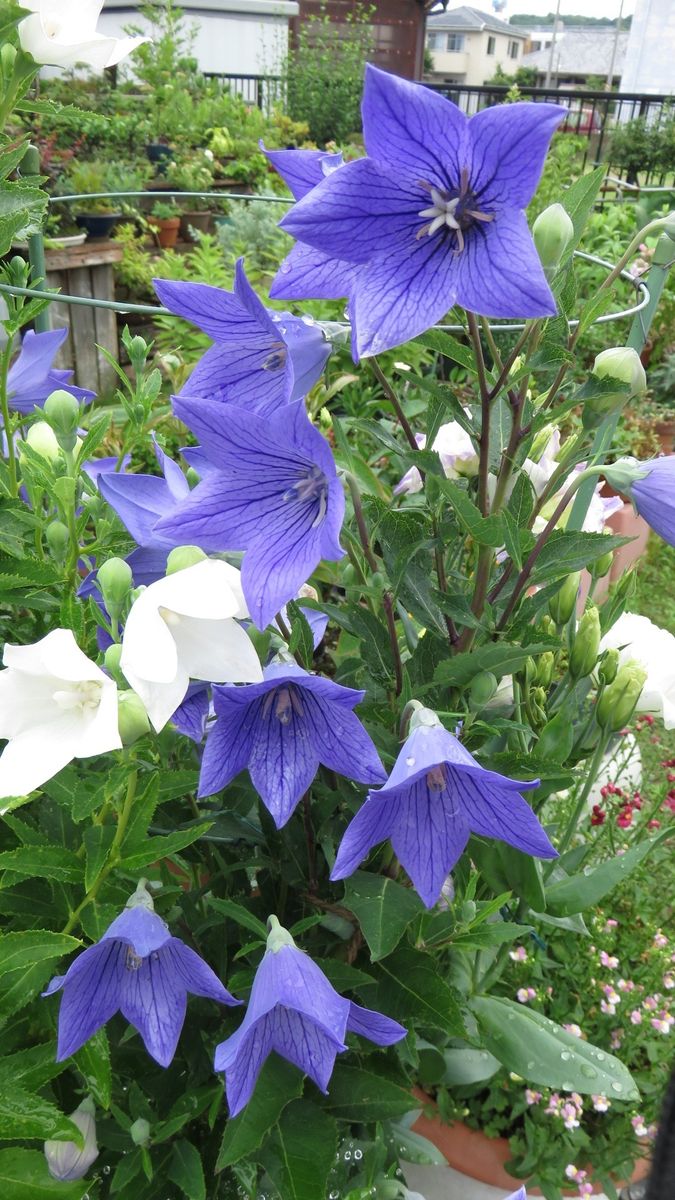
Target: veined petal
<point>301,170</point>
<point>153,1000</point>
<point>373,1025</point>
<point>307,274</point>
<point>235,438</point>
<point>508,145</point>
<point>419,132</point>
<point>229,375</point>
<point>221,513</point>
<point>228,743</point>
<point>357,211</point>
<point>500,813</point>
<point>28,373</point>
<point>276,566</point>
<point>283,762</point>
<point>221,314</point>
<point>372,824</point>
<point>139,501</point>
<point>252,303</point>
<point>141,927</point>
<point>340,740</point>
<point>242,1061</point>
<point>196,975</point>
<point>216,651</point>
<point>308,353</point>
<point>429,834</point>
<point>499,273</point>
<point>92,998</point>
<point>290,977</point>
<point>307,1045</point>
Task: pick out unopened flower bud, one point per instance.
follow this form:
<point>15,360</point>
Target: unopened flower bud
<point>537,702</point>
<point>608,666</point>
<point>138,351</point>
<point>547,625</point>
<point>42,439</point>
<point>58,540</point>
<point>586,645</point>
<point>545,665</point>
<point>132,718</point>
<point>562,605</point>
<point>552,233</point>
<point>529,670</point>
<point>481,690</point>
<point>556,739</point>
<point>602,566</point>
<point>140,1132</point>
<point>66,1161</point>
<point>115,580</point>
<point>623,364</point>
<point>62,411</point>
<point>7,60</point>
<point>111,662</point>
<point>617,703</point>
<point>182,557</point>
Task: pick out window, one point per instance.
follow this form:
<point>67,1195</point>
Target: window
<point>435,41</point>
<point>491,45</point>
<point>455,43</point>
<point>513,49</point>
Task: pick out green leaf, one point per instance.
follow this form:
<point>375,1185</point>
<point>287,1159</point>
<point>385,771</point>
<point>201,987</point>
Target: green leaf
<point>302,639</point>
<point>493,933</point>
<point>22,949</point>
<point>97,841</point>
<point>22,210</point>
<point>487,531</point>
<point>93,1063</point>
<point>384,910</point>
<point>27,572</point>
<point>523,875</point>
<point>162,847</point>
<point>343,976</point>
<point>527,1042</point>
<point>414,1148</point>
<point>25,1116</point>
<point>447,345</point>
<point>30,1068</point>
<point>578,201</point>
<point>186,1170</point>
<point>239,914</point>
<point>499,657</point>
<point>24,1176</point>
<point>301,1151</point>
<point>45,862</point>
<point>567,551</point>
<point>465,1066</point>
<point>588,888</point>
<point>277,1085</point>
<point>412,989</point>
<point>362,1096</point>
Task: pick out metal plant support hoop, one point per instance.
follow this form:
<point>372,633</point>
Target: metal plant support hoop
<point>36,250</point>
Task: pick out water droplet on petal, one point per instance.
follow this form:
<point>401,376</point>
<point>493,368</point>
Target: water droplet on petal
<point>410,761</point>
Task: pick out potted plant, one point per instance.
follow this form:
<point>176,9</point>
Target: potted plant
<point>165,223</point>
<point>98,215</point>
<point>194,173</point>
<point>659,407</point>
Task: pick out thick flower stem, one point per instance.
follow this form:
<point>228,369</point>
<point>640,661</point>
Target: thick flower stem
<point>387,598</point>
<point>114,857</point>
<point>7,420</point>
<point>485,403</point>
<point>585,792</point>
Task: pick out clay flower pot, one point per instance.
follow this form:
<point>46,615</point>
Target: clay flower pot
<point>165,230</point>
<point>484,1159</point>
<point>199,219</point>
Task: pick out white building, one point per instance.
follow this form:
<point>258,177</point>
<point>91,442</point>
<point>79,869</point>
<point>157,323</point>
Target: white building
<point>580,52</point>
<point>233,37</point>
<point>650,56</point>
<point>467,46</point>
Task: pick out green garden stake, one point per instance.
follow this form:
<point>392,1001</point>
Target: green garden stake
<point>30,165</point>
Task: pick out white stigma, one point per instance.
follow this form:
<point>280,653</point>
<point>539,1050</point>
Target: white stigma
<point>442,213</point>
<point>83,695</point>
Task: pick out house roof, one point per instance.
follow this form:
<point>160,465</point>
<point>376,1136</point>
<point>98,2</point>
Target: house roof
<point>581,51</point>
<point>467,19</point>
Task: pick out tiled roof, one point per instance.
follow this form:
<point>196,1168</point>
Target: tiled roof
<point>581,51</point>
<point>467,19</point>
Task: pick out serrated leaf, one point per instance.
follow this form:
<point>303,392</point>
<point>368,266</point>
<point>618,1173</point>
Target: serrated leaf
<point>45,862</point>
<point>578,201</point>
<point>487,531</point>
<point>538,1050</point>
<point>301,1151</point>
<point>302,639</point>
<point>23,948</point>
<point>411,989</point>
<point>162,847</point>
<point>93,1063</point>
<point>278,1084</point>
<point>356,1095</point>
<point>22,210</point>
<point>29,1117</point>
<point>384,910</point>
<point>24,1176</point>
<point>588,888</point>
<point>501,658</point>
<point>239,914</point>
<point>186,1170</point>
<point>567,551</point>
<point>97,840</point>
<point>447,345</point>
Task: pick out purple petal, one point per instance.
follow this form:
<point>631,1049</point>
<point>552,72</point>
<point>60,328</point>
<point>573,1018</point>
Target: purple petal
<point>499,813</point>
<point>423,749</point>
<point>175,479</point>
<point>654,496</point>
<point>374,1025</point>
<point>231,374</point>
<point>308,352</point>
<point>307,274</point>
<point>341,741</point>
<point>290,978</point>
<point>153,1000</point>
<point>91,995</point>
<point>228,745</point>
<point>222,315</point>
<point>419,132</point>
<point>428,835</point>
<point>190,716</point>
<point>283,762</point>
<point>142,928</point>
<point>301,170</point>
<point>305,1044</point>
<point>499,273</point>
<point>149,563</point>
<point>220,514</point>
<point>266,318</point>
<point>104,466</point>
<point>278,563</point>
<point>509,143</point>
<point>196,975</point>
<point>372,824</point>
<point>31,378</point>
<point>139,501</point>
<point>242,1059</point>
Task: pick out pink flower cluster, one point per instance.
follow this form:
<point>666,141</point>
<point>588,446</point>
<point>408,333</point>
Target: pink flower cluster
<point>580,1178</point>
<point>570,1110</point>
<point>519,954</point>
<point>526,994</point>
<point>642,1130</point>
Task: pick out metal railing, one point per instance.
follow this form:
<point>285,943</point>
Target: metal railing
<point>266,92</point>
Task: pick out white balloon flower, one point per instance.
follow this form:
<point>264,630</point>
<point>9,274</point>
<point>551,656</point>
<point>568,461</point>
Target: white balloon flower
<point>638,640</point>
<point>55,705</point>
<point>186,627</point>
<point>62,33</point>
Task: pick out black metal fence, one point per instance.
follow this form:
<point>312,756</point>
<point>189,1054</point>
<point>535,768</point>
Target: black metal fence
<point>592,115</point>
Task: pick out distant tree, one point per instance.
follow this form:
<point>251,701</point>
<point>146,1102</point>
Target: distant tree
<point>528,19</point>
<point>428,61</point>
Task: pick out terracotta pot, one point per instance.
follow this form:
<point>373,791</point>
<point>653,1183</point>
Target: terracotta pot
<point>199,219</point>
<point>165,230</point>
<point>484,1159</point>
<point>665,432</point>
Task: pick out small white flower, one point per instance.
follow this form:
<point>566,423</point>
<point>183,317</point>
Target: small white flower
<point>638,640</point>
<point>186,627</point>
<point>55,705</point>
<point>65,1160</point>
<point>455,450</point>
<point>62,33</point>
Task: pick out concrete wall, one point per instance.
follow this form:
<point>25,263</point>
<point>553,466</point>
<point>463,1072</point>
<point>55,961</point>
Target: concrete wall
<point>650,57</point>
<point>473,65</point>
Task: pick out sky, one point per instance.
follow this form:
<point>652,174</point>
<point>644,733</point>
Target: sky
<point>589,8</point>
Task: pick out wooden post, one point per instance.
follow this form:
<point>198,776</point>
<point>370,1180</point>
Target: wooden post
<point>86,270</point>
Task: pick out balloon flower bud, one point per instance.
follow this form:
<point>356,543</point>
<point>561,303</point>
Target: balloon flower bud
<point>586,645</point>
<point>42,439</point>
<point>602,566</point>
<point>67,1161</point>
<point>617,703</point>
<point>111,662</point>
<point>132,718</point>
<point>620,363</point>
<point>58,540</point>
<point>545,665</point>
<point>547,625</point>
<point>609,666</point>
<point>562,605</point>
<point>552,232</point>
<point>115,581</point>
<point>481,690</point>
<point>556,739</point>
<point>538,706</point>
<point>62,411</point>
<point>140,1132</point>
<point>138,352</point>
<point>182,557</point>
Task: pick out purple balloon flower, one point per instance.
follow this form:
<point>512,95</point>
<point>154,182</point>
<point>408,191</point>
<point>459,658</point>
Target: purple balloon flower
<point>307,272</point>
<point>436,796</point>
<point>261,360</point>
<point>275,494</point>
<point>141,970</point>
<point>434,213</point>
<point>32,378</point>
<point>282,730</point>
<point>295,1012</point>
<point>654,495</point>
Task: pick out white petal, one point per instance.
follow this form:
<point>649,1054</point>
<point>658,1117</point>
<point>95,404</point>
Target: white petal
<point>211,589</point>
<point>217,651</point>
<point>160,699</point>
<point>36,755</point>
<point>57,654</point>
<point>23,700</point>
<point>100,731</point>
<point>148,649</point>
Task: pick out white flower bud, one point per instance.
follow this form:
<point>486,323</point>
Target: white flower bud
<point>623,364</point>
<point>42,439</point>
<point>552,232</point>
<point>65,1160</point>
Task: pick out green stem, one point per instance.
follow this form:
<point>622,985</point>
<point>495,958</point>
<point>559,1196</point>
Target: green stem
<point>387,598</point>
<point>583,796</point>
<point>494,972</point>
<point>7,420</point>
<point>114,857</point>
